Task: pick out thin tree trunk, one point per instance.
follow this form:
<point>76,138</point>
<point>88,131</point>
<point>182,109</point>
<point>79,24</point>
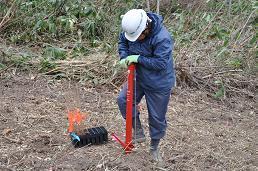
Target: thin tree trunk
<point>157,6</point>
<point>148,5</point>
<point>229,3</point>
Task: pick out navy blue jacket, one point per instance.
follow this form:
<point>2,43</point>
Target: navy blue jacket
<point>155,68</point>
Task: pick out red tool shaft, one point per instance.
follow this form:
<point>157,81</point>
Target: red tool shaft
<point>129,108</point>
<point>128,144</point>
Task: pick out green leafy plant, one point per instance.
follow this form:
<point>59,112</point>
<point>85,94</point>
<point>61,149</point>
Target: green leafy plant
<point>55,53</point>
<point>46,65</point>
<point>221,33</point>
<point>2,66</point>
<point>20,60</point>
<point>235,63</point>
<point>220,93</point>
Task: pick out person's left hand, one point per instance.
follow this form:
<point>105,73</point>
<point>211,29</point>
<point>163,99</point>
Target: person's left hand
<point>131,59</point>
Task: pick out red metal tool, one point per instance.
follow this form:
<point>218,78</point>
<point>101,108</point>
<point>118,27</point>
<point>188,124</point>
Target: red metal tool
<point>128,145</point>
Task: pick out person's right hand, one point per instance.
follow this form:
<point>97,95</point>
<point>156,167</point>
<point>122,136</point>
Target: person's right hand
<point>122,63</point>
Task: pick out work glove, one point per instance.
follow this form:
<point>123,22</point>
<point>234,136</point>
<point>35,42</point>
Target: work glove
<point>131,59</point>
<point>122,63</point>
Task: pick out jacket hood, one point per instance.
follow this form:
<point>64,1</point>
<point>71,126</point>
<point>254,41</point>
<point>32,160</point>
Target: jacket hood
<point>157,22</point>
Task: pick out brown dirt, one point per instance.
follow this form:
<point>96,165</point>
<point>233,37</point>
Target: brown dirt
<point>203,134</point>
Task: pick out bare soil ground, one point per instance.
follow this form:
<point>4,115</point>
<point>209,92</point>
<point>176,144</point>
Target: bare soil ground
<point>203,134</point>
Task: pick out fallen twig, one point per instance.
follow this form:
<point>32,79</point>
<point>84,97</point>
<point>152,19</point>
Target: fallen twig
<point>5,168</point>
<point>3,70</point>
<point>222,72</point>
<point>5,18</point>
<point>13,140</point>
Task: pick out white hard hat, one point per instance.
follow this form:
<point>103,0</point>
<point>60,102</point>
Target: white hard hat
<point>133,23</point>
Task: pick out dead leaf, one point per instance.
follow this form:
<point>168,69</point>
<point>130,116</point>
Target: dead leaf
<point>6,131</point>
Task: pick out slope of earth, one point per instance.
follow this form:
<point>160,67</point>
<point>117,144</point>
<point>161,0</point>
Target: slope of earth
<point>203,134</point>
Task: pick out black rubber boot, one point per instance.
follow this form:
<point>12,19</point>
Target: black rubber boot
<point>154,151</point>
<point>138,135</point>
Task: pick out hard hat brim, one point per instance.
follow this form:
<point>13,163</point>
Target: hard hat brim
<point>132,38</point>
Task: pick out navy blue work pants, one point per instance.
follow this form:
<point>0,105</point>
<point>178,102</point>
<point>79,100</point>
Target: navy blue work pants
<point>157,104</point>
